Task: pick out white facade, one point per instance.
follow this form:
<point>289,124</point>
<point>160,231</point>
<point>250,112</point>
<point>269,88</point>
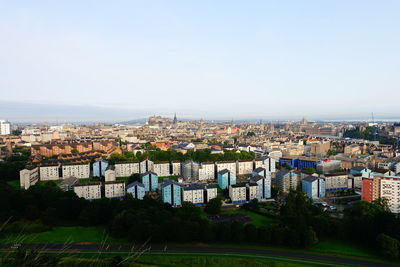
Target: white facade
<point>146,166</point>
<point>109,176</point>
<point>252,191</point>
<point>237,193</point>
<point>176,168</point>
<point>126,169</point>
<point>207,171</point>
<point>28,177</point>
<point>211,193</point>
<point>244,167</point>
<point>49,173</point>
<point>269,164</point>
<point>229,165</point>
<point>196,196</point>
<point>162,169</point>
<point>80,171</point>
<point>88,191</point>
<point>5,127</point>
<point>336,182</point>
<point>114,189</point>
<point>390,190</point>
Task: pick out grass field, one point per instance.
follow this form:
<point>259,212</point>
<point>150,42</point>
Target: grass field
<point>62,235</point>
<point>14,183</point>
<point>256,219</point>
<point>342,248</point>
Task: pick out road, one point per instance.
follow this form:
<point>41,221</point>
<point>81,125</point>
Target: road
<point>293,256</point>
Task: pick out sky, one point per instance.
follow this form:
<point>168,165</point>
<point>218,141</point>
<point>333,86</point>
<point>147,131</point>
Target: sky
<point>120,60</point>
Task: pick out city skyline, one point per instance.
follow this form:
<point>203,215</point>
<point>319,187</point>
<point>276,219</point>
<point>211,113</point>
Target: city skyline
<point>215,60</point>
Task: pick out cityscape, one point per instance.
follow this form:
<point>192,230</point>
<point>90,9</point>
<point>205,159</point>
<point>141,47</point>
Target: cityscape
<point>202,134</point>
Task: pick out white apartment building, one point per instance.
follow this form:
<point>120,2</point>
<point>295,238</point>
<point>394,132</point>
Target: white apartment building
<point>176,168</point>
<point>88,190</point>
<point>126,169</point>
<point>5,127</point>
<point>162,169</point>
<point>269,164</point>
<point>252,191</point>
<point>109,175</point>
<point>51,172</point>
<point>114,189</point>
<point>244,167</point>
<point>390,190</point>
<point>229,165</point>
<point>258,163</point>
<point>28,177</point>
<point>335,182</point>
<point>193,193</point>
<point>80,171</point>
<point>211,192</point>
<point>237,193</point>
<point>146,166</point>
<point>207,171</point>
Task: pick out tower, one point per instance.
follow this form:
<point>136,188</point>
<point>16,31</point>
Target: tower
<point>175,121</point>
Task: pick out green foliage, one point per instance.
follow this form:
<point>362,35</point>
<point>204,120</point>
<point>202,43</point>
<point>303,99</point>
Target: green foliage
<point>249,134</point>
<point>251,206</point>
<point>213,206</point>
<point>368,134</point>
<point>74,151</point>
<point>310,170</point>
<point>388,246</point>
<point>9,169</point>
<point>332,152</point>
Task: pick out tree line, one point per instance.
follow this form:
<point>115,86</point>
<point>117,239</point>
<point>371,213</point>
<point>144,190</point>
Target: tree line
<point>298,222</point>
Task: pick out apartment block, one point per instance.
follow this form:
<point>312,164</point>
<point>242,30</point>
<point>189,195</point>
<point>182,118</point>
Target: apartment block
<point>114,189</point>
<point>193,193</point>
<point>126,169</point>
<point>263,184</point>
<point>171,193</point>
<point>207,171</point>
<point>226,178</point>
<point>136,189</point>
<point>237,193</point>
<point>245,167</point>
<point>28,177</point>
<point>80,171</point>
<point>162,168</point>
<point>49,172</point>
<point>89,191</point>
<point>210,192</point>
<point>252,191</point>
<point>228,165</point>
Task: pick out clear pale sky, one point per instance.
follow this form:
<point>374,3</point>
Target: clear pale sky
<point>210,59</point>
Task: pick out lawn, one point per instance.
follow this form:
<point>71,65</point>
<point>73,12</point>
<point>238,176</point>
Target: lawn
<point>256,219</point>
<point>14,183</point>
<point>342,248</point>
<point>62,235</point>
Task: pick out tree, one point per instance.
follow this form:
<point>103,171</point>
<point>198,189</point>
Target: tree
<point>213,206</point>
<point>74,151</point>
<point>388,246</point>
<point>310,170</point>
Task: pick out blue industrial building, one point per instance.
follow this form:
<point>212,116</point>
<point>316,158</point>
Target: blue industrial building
<point>136,189</point>
<point>304,162</point>
<point>150,181</point>
<point>313,186</point>
<point>292,162</point>
<point>99,168</point>
<point>171,193</point>
<point>226,178</point>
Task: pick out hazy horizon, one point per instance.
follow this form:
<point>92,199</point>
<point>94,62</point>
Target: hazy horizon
<point>96,61</point>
